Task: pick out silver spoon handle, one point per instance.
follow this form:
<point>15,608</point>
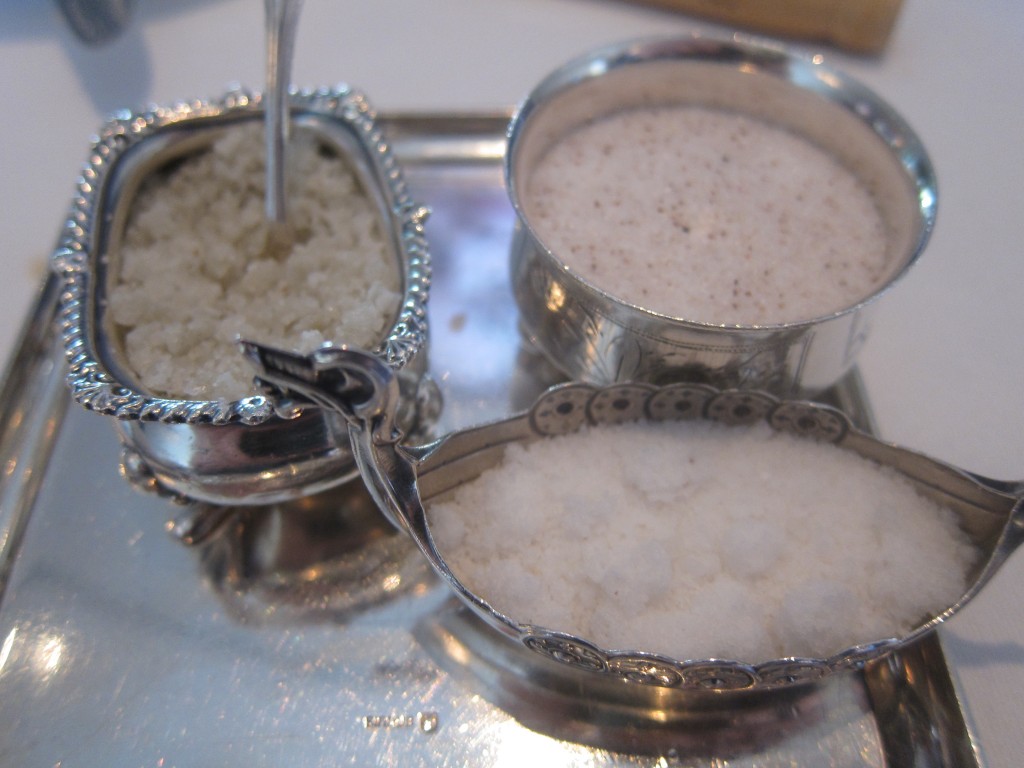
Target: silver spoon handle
<point>281,22</point>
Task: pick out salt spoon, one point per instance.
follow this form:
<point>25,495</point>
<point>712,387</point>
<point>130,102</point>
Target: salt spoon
<point>281,19</point>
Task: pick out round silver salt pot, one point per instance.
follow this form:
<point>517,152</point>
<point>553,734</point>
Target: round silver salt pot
<point>229,451</point>
<point>592,335</point>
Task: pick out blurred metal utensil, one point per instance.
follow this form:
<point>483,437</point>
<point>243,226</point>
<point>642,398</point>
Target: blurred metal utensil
<point>96,22</point>
<point>282,18</point>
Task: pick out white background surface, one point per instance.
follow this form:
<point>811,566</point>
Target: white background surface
<point>945,364</point>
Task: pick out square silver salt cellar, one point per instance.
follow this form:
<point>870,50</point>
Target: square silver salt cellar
<point>238,451</point>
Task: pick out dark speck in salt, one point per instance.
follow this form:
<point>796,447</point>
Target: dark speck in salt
<point>457,322</point>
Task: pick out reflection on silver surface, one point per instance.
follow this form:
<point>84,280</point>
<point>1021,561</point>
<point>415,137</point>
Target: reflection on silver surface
<point>330,555</point>
<point>233,653</point>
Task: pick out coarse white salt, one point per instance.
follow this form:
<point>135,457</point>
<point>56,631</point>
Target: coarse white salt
<point>709,216</point>
<point>194,273</point>
<point>697,541</point>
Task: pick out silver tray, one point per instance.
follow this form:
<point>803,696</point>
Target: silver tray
<point>313,633</point>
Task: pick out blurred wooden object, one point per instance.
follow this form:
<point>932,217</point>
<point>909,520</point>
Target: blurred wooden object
<point>862,26</point>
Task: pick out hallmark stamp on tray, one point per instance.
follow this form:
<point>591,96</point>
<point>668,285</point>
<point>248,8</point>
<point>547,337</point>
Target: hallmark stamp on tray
<point>425,722</point>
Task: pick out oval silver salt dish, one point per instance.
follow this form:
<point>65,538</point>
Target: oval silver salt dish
<point>404,478</point>
<point>240,451</point>
<point>592,335</point>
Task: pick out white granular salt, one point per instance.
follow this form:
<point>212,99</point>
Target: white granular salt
<point>701,541</point>
<point>709,216</point>
<point>195,273</point>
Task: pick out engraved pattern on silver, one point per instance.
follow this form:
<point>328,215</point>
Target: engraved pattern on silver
<point>561,410</point>
<point>788,671</point>
<point>809,421</point>
<point>96,388</point>
<point>723,676</point>
<point>619,404</point>
<point>646,670</point>
<point>567,650</point>
<point>679,402</point>
<point>738,408</point>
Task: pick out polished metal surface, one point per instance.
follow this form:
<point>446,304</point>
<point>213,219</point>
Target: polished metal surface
<point>594,336</point>
<point>312,633</point>
<point>33,404</point>
<point>228,452</point>
<point>281,21</point>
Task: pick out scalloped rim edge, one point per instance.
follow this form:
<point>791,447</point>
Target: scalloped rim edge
<point>94,387</point>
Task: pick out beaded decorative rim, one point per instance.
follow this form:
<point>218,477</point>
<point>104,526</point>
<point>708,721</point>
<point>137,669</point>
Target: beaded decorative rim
<point>74,260</point>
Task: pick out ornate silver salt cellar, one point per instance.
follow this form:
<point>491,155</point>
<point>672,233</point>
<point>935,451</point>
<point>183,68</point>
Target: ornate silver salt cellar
<point>404,478</point>
<point>239,451</point>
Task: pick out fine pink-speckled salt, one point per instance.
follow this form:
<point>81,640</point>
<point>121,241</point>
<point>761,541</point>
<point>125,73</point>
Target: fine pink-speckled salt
<point>708,215</point>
